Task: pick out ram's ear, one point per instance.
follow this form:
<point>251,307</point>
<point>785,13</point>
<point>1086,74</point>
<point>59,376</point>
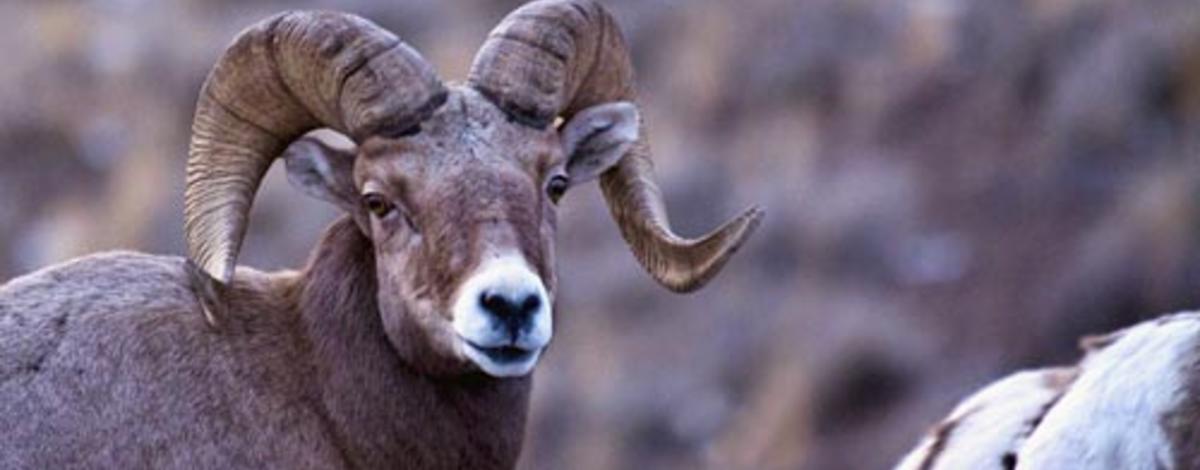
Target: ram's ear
<point>596,138</point>
<point>323,171</point>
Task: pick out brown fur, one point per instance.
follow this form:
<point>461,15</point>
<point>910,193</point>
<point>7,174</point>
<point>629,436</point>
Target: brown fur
<point>471,184</point>
<point>384,410</point>
<point>301,377</point>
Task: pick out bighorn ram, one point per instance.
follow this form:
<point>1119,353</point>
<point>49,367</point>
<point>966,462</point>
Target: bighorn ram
<point>1133,402</point>
<point>408,338</point>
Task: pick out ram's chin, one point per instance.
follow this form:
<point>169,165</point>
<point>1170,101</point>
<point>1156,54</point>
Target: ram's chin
<point>502,361</point>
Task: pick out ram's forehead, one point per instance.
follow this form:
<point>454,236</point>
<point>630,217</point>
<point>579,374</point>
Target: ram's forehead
<point>469,128</point>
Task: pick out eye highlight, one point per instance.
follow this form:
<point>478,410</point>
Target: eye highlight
<point>556,187</point>
<point>376,204</point>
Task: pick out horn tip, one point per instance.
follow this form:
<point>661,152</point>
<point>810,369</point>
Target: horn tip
<point>739,230</point>
<point>753,217</point>
<point>730,238</point>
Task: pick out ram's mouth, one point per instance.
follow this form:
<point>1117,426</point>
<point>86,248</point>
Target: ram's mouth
<point>502,361</point>
<point>504,354</point>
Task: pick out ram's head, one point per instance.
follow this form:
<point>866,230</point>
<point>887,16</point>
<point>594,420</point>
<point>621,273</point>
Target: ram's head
<point>455,186</point>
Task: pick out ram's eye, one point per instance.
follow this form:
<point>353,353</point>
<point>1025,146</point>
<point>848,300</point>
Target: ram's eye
<point>556,187</point>
<point>377,204</point>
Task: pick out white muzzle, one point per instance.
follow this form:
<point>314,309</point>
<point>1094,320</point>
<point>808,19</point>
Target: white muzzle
<point>502,315</point>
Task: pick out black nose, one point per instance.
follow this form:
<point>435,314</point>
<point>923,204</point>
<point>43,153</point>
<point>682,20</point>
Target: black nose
<point>513,310</point>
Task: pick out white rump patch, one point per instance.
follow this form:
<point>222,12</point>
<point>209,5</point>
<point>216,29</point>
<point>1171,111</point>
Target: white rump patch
<point>1112,416</point>
<point>989,424</point>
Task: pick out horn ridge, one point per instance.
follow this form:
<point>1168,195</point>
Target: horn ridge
<point>279,78</point>
<point>553,58</point>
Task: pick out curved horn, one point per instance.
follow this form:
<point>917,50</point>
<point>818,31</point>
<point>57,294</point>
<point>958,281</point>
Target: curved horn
<point>554,58</point>
<point>280,78</point>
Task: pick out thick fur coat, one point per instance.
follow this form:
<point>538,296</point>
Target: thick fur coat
<point>107,362</point>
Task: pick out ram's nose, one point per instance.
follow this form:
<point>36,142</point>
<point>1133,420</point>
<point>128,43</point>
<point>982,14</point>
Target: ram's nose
<point>514,309</point>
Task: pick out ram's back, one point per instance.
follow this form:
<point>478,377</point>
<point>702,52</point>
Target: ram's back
<point>48,318</point>
<point>106,360</point>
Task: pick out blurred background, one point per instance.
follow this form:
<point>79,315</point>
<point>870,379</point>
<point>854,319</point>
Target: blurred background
<point>954,190</point>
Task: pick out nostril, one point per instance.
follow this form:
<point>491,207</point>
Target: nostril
<point>531,303</point>
<point>505,307</point>
<point>495,303</point>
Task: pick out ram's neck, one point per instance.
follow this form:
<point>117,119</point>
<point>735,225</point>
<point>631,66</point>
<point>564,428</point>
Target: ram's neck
<point>383,413</point>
